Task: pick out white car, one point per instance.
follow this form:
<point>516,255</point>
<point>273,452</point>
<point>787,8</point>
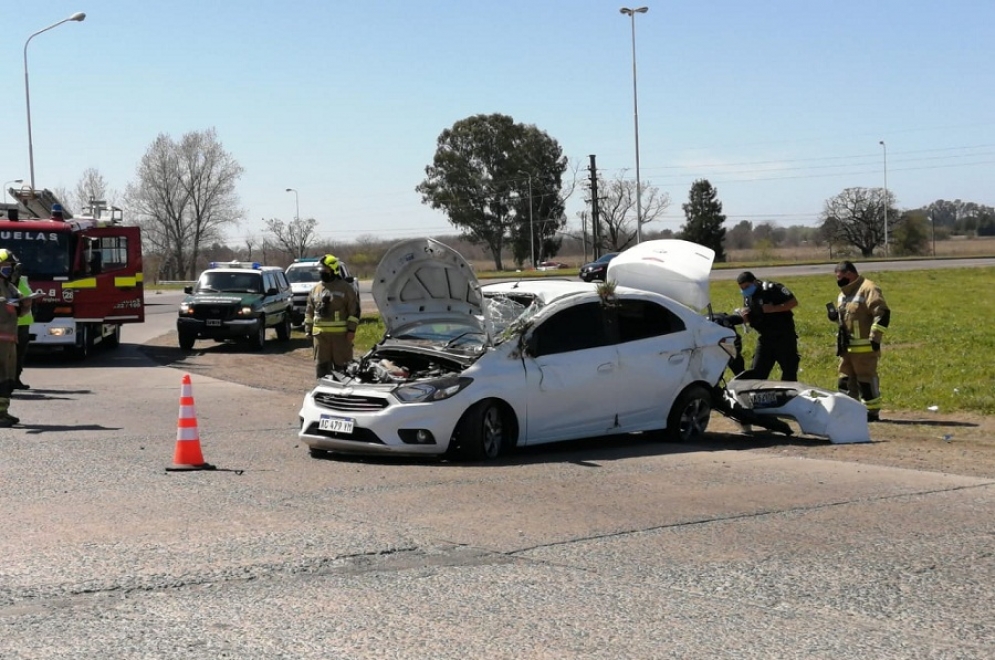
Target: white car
<point>471,372</point>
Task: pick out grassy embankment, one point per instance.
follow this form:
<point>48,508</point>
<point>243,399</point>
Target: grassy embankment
<point>939,350</point>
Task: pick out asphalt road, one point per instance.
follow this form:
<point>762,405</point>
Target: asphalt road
<point>621,549</point>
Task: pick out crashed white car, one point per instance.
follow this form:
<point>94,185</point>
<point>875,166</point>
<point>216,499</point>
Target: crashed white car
<point>471,372</point>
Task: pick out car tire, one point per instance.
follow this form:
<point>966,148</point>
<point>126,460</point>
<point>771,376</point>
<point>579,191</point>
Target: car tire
<point>318,453</point>
<point>482,433</point>
<point>258,338</point>
<point>186,339</point>
<point>689,417</point>
<point>283,330</point>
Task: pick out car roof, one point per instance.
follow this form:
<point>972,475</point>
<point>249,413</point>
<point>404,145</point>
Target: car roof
<point>543,288</point>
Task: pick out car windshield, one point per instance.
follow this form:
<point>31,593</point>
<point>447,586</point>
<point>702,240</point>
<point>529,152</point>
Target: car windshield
<point>507,312</point>
<point>457,337</point>
<point>298,275</point>
<point>224,282</point>
<point>605,258</point>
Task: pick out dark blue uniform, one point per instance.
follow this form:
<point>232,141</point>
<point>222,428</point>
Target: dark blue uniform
<point>778,342</point>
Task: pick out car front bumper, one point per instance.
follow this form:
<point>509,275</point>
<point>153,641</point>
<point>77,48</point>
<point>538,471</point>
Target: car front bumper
<point>224,330</point>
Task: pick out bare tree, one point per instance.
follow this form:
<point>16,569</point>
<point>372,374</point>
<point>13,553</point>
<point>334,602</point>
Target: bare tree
<point>296,236</point>
<point>856,217</point>
<point>617,203</point>
<point>91,187</point>
<point>185,196</point>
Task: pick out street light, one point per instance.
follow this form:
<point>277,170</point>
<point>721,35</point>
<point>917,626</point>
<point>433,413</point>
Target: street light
<point>631,13</point>
<point>532,232</point>
<point>885,148</point>
<point>297,200</point>
<point>78,16</point>
<point>5,192</point>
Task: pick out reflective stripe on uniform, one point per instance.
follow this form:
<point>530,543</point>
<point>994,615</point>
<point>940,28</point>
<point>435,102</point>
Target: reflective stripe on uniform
<point>878,328</point>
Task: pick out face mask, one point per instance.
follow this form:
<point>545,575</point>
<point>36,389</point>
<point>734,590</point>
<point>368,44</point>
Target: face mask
<point>750,290</point>
<point>842,282</point>
<point>326,277</point>
<point>7,271</point>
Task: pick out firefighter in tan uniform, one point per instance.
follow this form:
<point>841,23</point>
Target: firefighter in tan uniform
<point>863,317</point>
<point>331,317</point>
<point>12,306</point>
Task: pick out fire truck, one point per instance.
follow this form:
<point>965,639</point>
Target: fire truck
<point>86,271</point>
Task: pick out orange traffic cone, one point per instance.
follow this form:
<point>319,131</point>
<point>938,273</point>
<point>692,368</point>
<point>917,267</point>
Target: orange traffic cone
<point>188,455</point>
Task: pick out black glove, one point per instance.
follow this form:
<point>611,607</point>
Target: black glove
<point>832,312</point>
<point>875,346</point>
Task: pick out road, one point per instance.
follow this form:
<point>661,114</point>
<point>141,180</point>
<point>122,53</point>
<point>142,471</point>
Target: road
<point>627,549</point>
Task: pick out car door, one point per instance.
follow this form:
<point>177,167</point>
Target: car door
<point>571,376</point>
<point>654,350</point>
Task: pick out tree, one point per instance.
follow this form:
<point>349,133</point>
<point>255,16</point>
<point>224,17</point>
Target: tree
<point>740,237</point>
<point>617,208</point>
<point>184,197</point>
<point>91,187</point>
<point>704,218</point>
<point>295,236</point>
<point>480,177</point>
<point>856,217</point>
<point>911,235</point>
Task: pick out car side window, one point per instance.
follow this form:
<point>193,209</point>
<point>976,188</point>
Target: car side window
<point>281,281</point>
<point>641,319</point>
<point>267,282</point>
<point>572,329</point>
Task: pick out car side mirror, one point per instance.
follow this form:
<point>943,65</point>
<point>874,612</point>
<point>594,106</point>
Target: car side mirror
<point>272,291</point>
<point>531,345</point>
<point>188,289</point>
<point>350,279</point>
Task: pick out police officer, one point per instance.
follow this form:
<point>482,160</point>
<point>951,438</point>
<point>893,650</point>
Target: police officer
<point>23,325</point>
<point>331,317</point>
<point>12,306</point>
<point>767,309</point>
<point>863,317</point>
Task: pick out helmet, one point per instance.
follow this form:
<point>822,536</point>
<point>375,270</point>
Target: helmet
<point>332,263</point>
<point>7,255</point>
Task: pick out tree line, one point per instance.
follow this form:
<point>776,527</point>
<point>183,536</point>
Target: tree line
<point>503,186</point>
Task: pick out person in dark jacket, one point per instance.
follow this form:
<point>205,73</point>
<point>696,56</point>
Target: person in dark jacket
<point>767,309</point>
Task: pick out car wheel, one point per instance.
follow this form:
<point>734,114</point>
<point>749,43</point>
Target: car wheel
<point>258,339</point>
<point>689,417</point>
<point>283,330</point>
<point>186,340</point>
<point>482,433</point>
<point>318,453</point>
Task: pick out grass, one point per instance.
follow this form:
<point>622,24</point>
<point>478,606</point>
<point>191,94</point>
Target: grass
<point>938,350</point>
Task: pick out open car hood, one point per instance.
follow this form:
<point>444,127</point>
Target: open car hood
<point>424,281</point>
<point>675,268</point>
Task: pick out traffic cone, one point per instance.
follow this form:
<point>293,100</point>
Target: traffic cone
<point>188,455</point>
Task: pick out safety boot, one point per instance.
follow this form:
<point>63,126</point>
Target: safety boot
<point>7,420</point>
<point>873,415</point>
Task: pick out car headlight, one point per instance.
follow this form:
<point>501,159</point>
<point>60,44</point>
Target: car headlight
<point>431,390</point>
<point>245,311</point>
<point>185,308</point>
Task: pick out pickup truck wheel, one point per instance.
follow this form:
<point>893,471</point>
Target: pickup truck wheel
<point>283,330</point>
<point>258,339</point>
<point>186,340</point>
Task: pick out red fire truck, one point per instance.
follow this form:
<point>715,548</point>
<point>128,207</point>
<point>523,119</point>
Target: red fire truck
<point>86,270</point>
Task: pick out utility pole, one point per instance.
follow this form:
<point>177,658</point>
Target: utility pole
<point>595,238</point>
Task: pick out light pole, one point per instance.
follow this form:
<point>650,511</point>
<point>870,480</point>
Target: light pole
<point>932,234</point>
<point>885,148</point>
<point>5,193</point>
<point>631,13</point>
<point>78,16</point>
<point>532,232</point>
<point>297,201</point>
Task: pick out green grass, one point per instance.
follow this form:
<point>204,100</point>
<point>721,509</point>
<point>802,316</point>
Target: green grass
<point>939,349</point>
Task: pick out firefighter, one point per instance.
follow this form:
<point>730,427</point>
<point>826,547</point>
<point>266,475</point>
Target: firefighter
<point>331,317</point>
<point>767,309</point>
<point>863,317</point>
<point>23,325</point>
<point>12,306</point>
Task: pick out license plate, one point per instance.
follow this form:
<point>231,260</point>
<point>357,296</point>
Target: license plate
<point>336,424</point>
<point>214,322</point>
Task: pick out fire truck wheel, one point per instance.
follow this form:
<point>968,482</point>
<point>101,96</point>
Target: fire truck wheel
<point>258,339</point>
<point>186,340</point>
<point>113,340</point>
<point>84,343</point>
<point>283,330</point>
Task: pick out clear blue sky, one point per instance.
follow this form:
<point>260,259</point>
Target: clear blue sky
<point>780,104</point>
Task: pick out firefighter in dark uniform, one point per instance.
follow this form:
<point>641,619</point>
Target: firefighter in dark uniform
<point>767,309</point>
<point>12,306</point>
<point>331,317</point>
<point>863,317</point>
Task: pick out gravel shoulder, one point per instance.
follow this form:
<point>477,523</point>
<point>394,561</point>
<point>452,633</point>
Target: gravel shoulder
<point>962,444</point>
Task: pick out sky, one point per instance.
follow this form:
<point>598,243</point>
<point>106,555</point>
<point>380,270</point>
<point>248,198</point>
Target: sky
<point>781,104</point>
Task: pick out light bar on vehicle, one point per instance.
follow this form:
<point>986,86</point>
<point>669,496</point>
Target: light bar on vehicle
<point>254,265</point>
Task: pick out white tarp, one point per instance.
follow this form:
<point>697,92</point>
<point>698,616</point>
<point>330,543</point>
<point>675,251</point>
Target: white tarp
<point>677,269</point>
